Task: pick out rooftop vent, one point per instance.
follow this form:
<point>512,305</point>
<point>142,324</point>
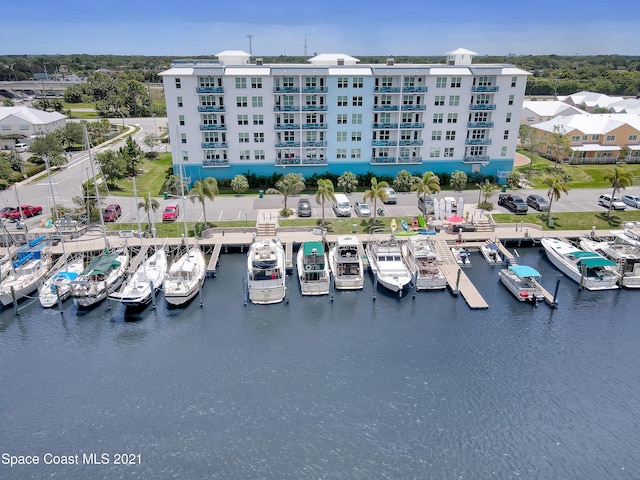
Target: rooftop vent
<point>258,61</point>
<point>389,61</point>
<point>341,61</point>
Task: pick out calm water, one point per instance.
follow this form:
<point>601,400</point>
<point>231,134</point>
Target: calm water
<point>418,388</point>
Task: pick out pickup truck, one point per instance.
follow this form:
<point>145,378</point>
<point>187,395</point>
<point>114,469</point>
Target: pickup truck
<point>25,211</point>
<point>513,203</point>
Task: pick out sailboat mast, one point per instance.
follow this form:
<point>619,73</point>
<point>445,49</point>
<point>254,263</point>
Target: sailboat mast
<point>55,209</point>
<point>95,185</point>
<point>184,209</point>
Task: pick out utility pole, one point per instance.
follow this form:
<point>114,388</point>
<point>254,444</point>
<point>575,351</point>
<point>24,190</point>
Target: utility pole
<point>305,45</point>
<point>250,50</point>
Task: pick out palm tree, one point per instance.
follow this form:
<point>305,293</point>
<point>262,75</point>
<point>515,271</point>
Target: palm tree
<point>290,184</point>
<point>487,189</point>
<point>203,189</point>
<point>620,179</point>
<point>377,191</point>
<point>324,193</point>
<point>426,185</point>
<point>149,204</point>
<point>556,188</point>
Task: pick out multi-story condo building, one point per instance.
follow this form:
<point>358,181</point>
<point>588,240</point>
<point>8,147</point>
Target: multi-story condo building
<point>230,116</point>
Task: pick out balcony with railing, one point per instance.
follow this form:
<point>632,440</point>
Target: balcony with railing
<point>386,108</point>
<point>314,89</point>
<point>210,108</point>
<point>287,144</point>
<point>213,144</point>
<point>208,162</point>
<point>409,159</point>
<point>209,90</point>
<point>411,108</point>
<point>475,159</point>
<point>207,127</point>
<point>314,161</point>
<point>314,126</point>
<point>484,88</point>
<point>287,161</point>
<point>407,89</point>
<point>482,106</point>
<point>378,160</point>
<point>286,90</point>
<point>287,126</point>
<point>314,108</point>
<point>479,124</point>
<point>411,143</point>
<point>314,144</point>
<point>477,141</point>
<point>286,108</point>
<point>412,125</point>
<point>387,89</point>
<point>384,143</point>
<point>385,125</point>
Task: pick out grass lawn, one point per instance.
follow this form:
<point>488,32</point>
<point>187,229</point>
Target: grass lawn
<point>573,220</point>
<point>151,180</point>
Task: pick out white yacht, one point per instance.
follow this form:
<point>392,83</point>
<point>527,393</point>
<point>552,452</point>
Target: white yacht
<point>522,281</point>
<point>58,285</point>
<point>27,272</point>
<point>345,261</point>
<point>590,270</point>
<point>387,265</point>
<point>266,271</point>
<point>421,258</point>
<point>313,269</point>
<point>145,282</point>
<point>102,276</point>
<point>619,250</point>
<point>185,277</point>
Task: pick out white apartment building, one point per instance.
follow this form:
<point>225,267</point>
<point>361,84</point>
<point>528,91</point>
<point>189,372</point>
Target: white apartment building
<point>230,116</point>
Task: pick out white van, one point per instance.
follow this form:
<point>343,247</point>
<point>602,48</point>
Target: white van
<point>21,147</point>
<point>341,206</point>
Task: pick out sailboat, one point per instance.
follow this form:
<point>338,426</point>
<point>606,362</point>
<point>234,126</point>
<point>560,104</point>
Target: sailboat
<point>27,273</point>
<point>106,272</point>
<point>146,281</point>
<point>187,273</point>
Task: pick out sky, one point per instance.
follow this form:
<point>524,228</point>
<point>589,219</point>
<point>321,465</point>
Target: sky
<point>353,27</point>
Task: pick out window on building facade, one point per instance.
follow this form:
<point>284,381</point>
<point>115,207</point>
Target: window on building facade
<point>356,136</point>
<point>436,135</point>
<point>385,99</point>
<point>383,135</point>
<point>341,136</point>
<point>387,82</point>
<point>289,136</point>
<point>610,138</point>
<point>311,82</point>
<point>356,118</point>
<point>178,84</point>
<point>243,137</point>
<point>506,135</point>
<point>256,82</point>
<point>434,152</point>
<point>243,119</point>
<point>633,138</point>
<point>185,156</point>
<point>513,81</point>
<point>288,100</point>
<point>357,101</point>
<point>456,82</point>
<point>439,101</point>
<point>343,82</point>
<point>407,117</point>
<point>478,134</point>
<point>448,152</point>
<point>258,119</point>
<point>503,152</point>
<point>408,99</point>
<point>245,154</point>
<point>287,82</point>
<point>452,118</point>
<point>409,82</point>
<point>511,99</point>
<point>356,153</point>
<point>258,154</point>
<point>343,100</point>
<point>179,99</point>
<point>341,119</point>
<point>405,134</point>
<point>441,82</point>
<point>450,135</point>
<point>241,82</point>
<point>575,138</point>
<point>258,137</point>
<point>256,102</point>
<point>454,100</point>
<point>595,138</point>
<point>241,101</point>
<point>358,82</point>
<point>508,118</point>
<point>183,137</point>
<point>438,117</point>
<point>341,153</point>
<point>181,119</point>
<point>288,118</point>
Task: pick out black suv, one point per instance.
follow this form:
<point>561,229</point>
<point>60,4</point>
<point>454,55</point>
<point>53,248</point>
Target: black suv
<point>304,207</point>
<point>513,202</point>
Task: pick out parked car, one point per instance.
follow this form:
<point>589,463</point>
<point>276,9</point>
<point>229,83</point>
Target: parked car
<point>632,200</point>
<point>513,203</point>
<point>25,211</point>
<point>112,213</point>
<point>362,209</point>
<point>6,212</point>
<point>391,195</point>
<point>425,204</point>
<point>171,213</point>
<point>538,202</point>
<point>304,207</point>
<point>615,203</point>
<point>21,147</point>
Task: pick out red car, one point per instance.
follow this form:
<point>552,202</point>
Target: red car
<point>171,213</point>
<point>25,211</point>
<point>112,213</point>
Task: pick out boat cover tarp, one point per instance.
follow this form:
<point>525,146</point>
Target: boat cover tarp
<point>595,262</point>
<point>104,263</point>
<point>524,271</point>
<point>310,246</point>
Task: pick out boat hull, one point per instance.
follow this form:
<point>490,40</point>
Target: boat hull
<point>521,288</point>
<point>313,281</point>
<point>391,273</point>
<point>266,278</point>
<point>345,262</point>
<point>185,278</point>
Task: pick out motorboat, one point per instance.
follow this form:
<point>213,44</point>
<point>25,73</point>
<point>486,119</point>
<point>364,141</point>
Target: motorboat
<point>345,261</point>
<point>313,269</point>
<point>145,283</point>
<point>27,272</point>
<point>462,256</point>
<point>387,265</point>
<point>589,269</point>
<point>624,254</point>
<point>185,277</point>
<point>522,281</point>
<point>420,256</point>
<point>491,253</point>
<point>266,275</point>
<point>58,286</point>
<point>102,276</point>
